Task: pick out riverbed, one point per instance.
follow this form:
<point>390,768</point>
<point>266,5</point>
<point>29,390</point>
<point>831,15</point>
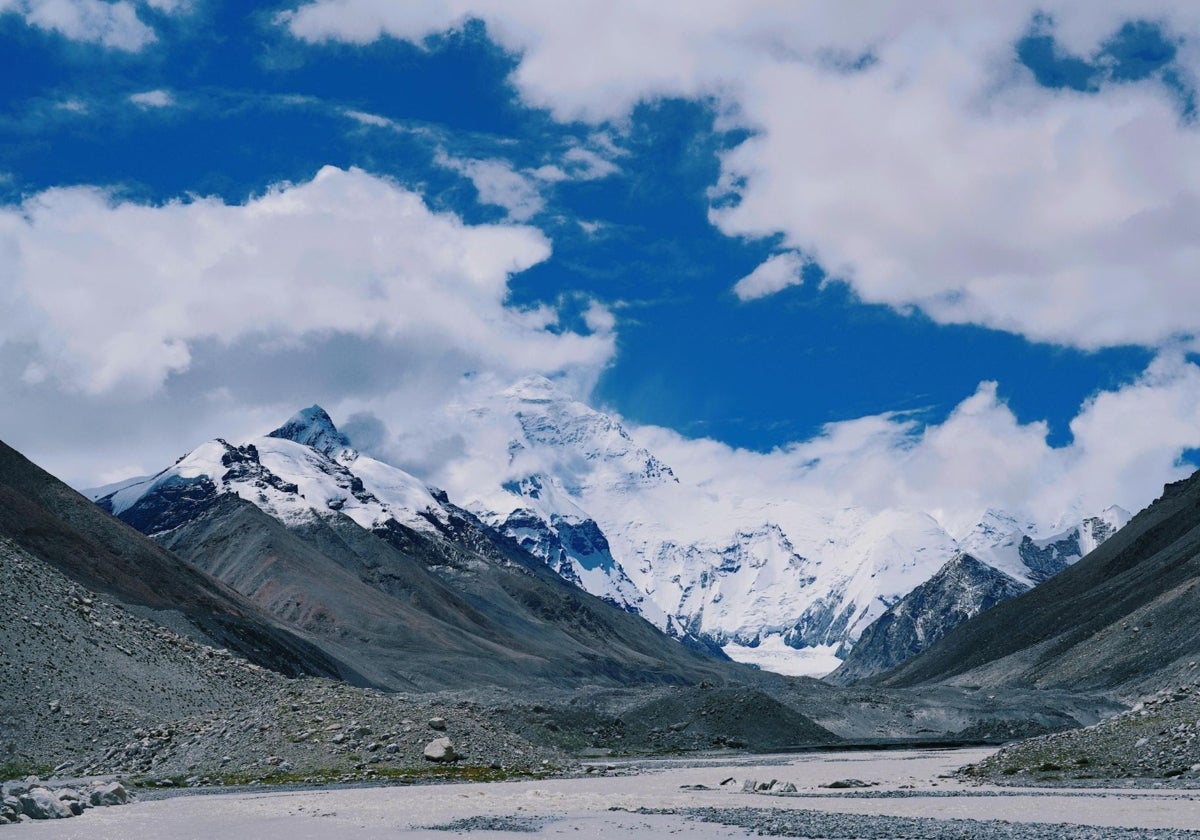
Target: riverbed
<point>907,794</point>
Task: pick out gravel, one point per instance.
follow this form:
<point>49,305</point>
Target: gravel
<point>1155,743</point>
<point>775,823</point>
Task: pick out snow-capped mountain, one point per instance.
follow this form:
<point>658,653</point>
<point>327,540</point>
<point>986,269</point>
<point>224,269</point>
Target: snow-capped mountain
<point>387,575</point>
<point>773,582</point>
<point>966,586</point>
<point>300,471</point>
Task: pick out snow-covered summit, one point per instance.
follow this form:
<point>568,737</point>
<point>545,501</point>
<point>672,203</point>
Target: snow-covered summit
<point>749,574</point>
<point>304,469</point>
<point>313,427</point>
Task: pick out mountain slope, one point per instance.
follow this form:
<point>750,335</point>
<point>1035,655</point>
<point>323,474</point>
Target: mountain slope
<point>965,587</point>
<point>387,573</point>
<point>788,583</point>
<point>1125,618</point>
<point>58,526</point>
<point>961,589</point>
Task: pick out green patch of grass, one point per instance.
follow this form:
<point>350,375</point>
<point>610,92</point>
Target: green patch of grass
<point>395,775</point>
<point>19,768</point>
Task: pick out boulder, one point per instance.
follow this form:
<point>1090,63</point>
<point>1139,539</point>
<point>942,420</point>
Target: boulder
<point>441,750</point>
<point>437,723</point>
<point>42,804</point>
<point>113,793</point>
<point>842,784</point>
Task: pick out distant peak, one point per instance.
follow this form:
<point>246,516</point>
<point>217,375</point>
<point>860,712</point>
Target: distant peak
<point>313,427</point>
<point>536,388</point>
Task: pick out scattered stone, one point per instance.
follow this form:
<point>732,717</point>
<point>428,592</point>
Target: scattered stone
<point>842,784</point>
<point>441,750</point>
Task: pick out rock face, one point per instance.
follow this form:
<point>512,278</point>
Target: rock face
<point>960,590</point>
<point>1125,618</point>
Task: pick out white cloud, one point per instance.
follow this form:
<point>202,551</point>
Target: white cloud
<point>153,99</point>
<point>498,183</point>
<point>109,296</point>
<point>774,275</point>
<point>75,106</point>
<point>519,191</point>
<point>366,118</point>
<point>110,24</point>
<point>936,175</point>
<point>1126,445</point>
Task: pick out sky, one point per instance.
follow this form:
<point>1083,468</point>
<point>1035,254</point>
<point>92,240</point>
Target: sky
<point>931,254</point>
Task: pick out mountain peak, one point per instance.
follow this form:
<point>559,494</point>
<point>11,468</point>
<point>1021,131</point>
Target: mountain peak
<point>313,427</point>
<point>537,389</point>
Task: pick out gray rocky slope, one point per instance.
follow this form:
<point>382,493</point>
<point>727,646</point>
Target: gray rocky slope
<point>1124,620</point>
<point>960,590</point>
<point>412,610</point>
<point>64,530</point>
<point>106,673</point>
<point>964,587</point>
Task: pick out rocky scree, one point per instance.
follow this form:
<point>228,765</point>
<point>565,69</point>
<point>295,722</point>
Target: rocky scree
<point>1155,743</point>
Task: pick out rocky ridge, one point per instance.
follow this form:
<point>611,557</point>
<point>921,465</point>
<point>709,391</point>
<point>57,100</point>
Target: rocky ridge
<point>1156,742</point>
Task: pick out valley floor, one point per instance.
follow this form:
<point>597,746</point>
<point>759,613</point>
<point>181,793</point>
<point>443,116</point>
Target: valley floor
<point>909,795</point>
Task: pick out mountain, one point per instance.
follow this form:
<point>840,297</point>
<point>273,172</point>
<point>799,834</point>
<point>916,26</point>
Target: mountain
<point>57,526</point>
<point>965,587</point>
<point>1126,618</point>
<point>388,574</point>
<point>775,582</point>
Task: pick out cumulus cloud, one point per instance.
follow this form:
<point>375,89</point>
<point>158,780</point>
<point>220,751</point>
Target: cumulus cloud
<point>153,99</point>
<point>117,296</point>
<point>904,149</point>
<point>774,275</point>
<point>111,24</point>
<point>1127,443</point>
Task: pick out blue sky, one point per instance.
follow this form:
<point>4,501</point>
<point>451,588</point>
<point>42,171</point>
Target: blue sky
<point>632,192</point>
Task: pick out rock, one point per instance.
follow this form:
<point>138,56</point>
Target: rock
<point>788,788</point>
<point>846,783</point>
<point>441,750</point>
<point>392,749</point>
<point>438,723</point>
<point>41,804</point>
<point>113,793</point>
<point>749,785</point>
